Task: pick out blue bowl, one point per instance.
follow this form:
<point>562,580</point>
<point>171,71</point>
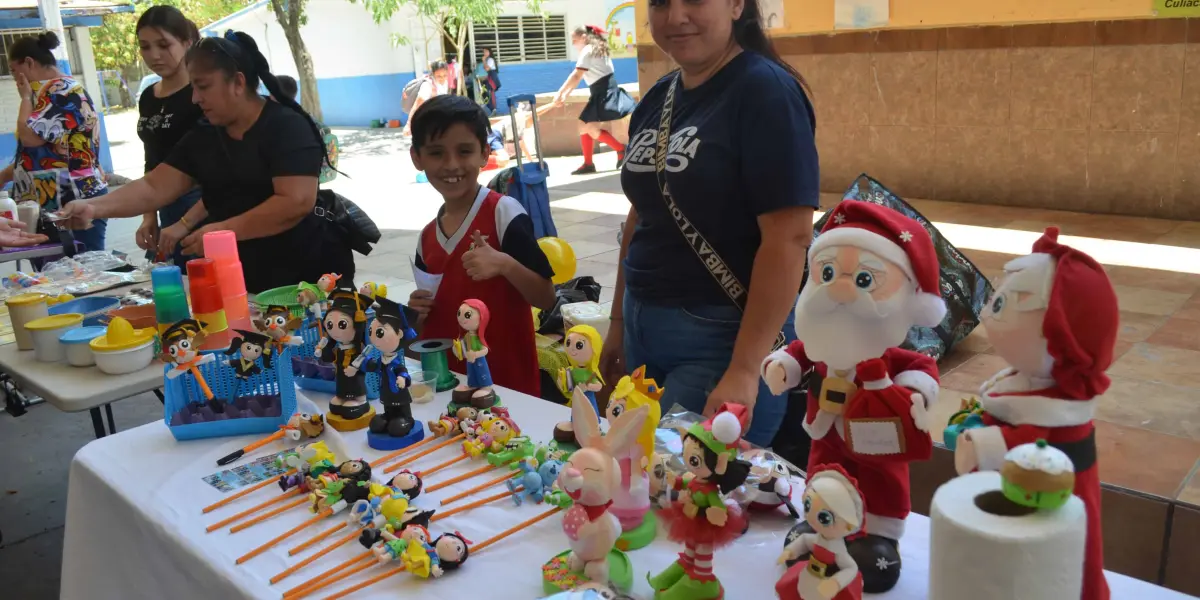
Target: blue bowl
<point>91,307</point>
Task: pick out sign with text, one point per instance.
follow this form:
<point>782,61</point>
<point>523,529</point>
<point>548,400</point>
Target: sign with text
<point>1176,8</point>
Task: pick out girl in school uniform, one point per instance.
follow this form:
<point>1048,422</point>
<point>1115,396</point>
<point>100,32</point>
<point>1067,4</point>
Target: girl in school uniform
<point>607,104</point>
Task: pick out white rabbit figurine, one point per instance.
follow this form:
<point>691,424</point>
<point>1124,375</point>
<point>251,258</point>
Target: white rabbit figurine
<point>590,478</point>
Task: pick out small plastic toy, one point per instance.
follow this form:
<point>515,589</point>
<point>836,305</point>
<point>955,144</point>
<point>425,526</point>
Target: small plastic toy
<point>472,348</point>
<point>1037,476</point>
<point>249,346</point>
<point>590,479</point>
<point>833,507</point>
<point>299,426</point>
<point>345,324</point>
<point>631,500</point>
<point>181,347</point>
<point>388,334</point>
<point>969,416</point>
<point>701,520</point>
<point>583,346</point>
<point>535,479</point>
<point>279,325</point>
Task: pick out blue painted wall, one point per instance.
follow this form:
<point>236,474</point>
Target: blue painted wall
<point>356,101</point>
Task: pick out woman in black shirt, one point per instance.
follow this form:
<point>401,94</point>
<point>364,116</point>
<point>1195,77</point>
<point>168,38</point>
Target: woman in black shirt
<point>166,113</point>
<point>256,162</point>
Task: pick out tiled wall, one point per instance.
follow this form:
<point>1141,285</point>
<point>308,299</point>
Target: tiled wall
<point>1093,117</point>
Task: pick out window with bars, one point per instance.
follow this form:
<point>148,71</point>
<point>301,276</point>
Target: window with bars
<point>524,38</point>
<point>9,36</point>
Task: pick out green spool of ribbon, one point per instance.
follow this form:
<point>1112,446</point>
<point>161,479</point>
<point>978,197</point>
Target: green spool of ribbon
<point>433,359</point>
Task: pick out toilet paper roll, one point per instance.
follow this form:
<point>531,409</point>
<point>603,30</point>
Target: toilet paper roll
<point>979,555</point>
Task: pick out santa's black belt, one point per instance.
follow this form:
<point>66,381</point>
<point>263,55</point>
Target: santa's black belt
<point>1082,452</point>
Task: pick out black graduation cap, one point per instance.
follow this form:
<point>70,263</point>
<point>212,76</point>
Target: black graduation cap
<point>277,309</point>
<point>396,315</point>
<point>182,329</point>
<point>253,337</point>
<point>350,302</point>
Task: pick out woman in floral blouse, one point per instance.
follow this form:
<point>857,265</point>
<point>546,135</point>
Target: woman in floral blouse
<point>58,135</point>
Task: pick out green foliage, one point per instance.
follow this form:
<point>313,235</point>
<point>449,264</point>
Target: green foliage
<point>115,43</point>
<point>449,16</point>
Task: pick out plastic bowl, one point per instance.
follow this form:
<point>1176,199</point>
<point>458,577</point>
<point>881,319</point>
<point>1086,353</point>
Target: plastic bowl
<point>75,342</point>
<point>121,362</point>
<point>46,332</point>
<point>91,307</point>
<point>140,316</point>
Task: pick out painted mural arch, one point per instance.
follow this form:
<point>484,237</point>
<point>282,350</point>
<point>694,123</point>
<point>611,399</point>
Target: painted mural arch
<point>621,25</point>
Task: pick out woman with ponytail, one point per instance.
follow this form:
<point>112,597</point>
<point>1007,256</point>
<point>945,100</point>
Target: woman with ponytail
<point>607,102</point>
<point>740,175</point>
<point>165,114</point>
<point>256,162</point>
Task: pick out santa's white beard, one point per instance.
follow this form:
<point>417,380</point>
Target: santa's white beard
<point>843,335</point>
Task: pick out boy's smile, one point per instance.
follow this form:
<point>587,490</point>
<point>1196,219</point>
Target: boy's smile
<point>452,161</point>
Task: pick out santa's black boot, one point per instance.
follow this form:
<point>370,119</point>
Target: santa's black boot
<point>878,560</point>
<point>801,528</point>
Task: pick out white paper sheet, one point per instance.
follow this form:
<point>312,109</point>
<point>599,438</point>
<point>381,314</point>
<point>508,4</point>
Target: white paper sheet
<point>772,13</point>
<point>860,14</point>
<point>425,281</point>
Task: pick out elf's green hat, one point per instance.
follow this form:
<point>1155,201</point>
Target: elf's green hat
<point>723,431</point>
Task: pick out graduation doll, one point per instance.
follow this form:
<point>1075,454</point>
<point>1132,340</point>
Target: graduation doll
<point>246,349</point>
<point>279,325</point>
<point>388,334</point>
<point>344,332</point>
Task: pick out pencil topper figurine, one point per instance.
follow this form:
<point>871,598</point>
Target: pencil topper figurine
<point>248,347</point>
<point>591,477</point>
<point>345,327</point>
<point>388,546</point>
<point>312,299</point>
<point>833,508</point>
<point>328,282</point>
<point>464,419</point>
<point>279,325</point>
<point>388,335</point>
<point>873,276</point>
<point>373,290</point>
<point>631,500</point>
<point>447,553</point>
<point>309,460</point>
<point>181,348</point>
<point>583,346</point>
<point>408,483</point>
<point>701,520</point>
<point>535,480</point>
<point>1055,319</point>
<point>302,426</point>
<point>472,347</point>
<point>771,487</point>
<point>494,436</point>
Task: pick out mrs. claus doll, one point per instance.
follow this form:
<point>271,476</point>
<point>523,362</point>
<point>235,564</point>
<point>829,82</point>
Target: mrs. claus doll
<point>1054,319</point>
<point>873,275</point>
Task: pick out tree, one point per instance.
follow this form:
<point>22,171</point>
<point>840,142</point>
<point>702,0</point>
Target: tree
<point>450,17</point>
<point>115,43</point>
<point>291,17</point>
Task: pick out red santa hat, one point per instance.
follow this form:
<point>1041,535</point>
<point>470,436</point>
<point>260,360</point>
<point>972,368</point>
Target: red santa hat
<point>896,238</point>
<point>1081,320</point>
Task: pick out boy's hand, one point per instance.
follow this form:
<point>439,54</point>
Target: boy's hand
<point>484,262</point>
<point>421,301</point>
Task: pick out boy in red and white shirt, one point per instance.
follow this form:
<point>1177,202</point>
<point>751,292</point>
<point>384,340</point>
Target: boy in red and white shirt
<point>481,245</point>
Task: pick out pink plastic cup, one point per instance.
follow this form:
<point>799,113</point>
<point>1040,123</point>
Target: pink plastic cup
<point>220,246</point>
<point>230,278</point>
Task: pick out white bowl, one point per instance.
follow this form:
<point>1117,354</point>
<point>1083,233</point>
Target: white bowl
<point>79,355</point>
<point>122,362</point>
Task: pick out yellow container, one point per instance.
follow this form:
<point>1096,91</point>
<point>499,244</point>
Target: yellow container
<point>24,308</point>
<point>47,330</point>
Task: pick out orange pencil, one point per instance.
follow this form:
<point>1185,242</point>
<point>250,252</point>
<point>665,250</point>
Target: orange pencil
<point>483,486</point>
<point>465,476</point>
<point>284,574</point>
<point>264,517</point>
<point>252,510</point>
<point>283,536</point>
<point>425,452</point>
<point>470,505</point>
<point>368,555</point>
<point>430,471</point>
<point>317,538</point>
<point>370,582</point>
<point>336,578</point>
<point>258,486</point>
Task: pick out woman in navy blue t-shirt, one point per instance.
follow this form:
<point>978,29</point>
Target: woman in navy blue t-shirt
<point>741,169</point>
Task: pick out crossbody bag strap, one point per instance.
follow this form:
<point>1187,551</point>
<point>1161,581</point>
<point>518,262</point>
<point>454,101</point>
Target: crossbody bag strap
<point>705,252</point>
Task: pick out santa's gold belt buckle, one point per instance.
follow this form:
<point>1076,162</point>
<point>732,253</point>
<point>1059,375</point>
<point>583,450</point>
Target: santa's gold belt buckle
<point>817,567</point>
<point>835,391</point>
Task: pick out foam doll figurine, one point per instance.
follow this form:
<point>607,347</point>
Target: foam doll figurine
<point>1055,320</point>
<point>472,348</point>
<point>389,333</point>
<point>631,500</point>
<point>181,342</point>
<point>833,507</point>
<point>701,520</point>
<point>873,276</point>
<point>279,325</point>
<point>496,433</point>
<point>345,326</point>
<point>447,553</point>
<point>248,348</point>
<point>310,297</point>
<point>583,345</point>
<point>774,489</point>
<point>408,483</point>
<point>373,290</point>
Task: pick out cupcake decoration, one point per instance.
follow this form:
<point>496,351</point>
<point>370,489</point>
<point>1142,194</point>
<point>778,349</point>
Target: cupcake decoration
<point>1037,476</point>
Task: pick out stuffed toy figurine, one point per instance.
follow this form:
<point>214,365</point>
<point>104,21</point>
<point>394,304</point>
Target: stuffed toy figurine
<point>873,276</point>
<point>472,348</point>
<point>389,333</point>
<point>631,501</point>
<point>1055,320</point>
<point>583,346</point>
<point>833,508</point>
<point>344,332</point>
<point>279,325</point>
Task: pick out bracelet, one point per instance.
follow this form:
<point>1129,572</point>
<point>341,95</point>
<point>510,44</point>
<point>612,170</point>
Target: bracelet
<point>184,220</point>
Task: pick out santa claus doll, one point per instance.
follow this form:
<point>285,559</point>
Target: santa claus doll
<point>873,276</point>
<point>1054,319</point>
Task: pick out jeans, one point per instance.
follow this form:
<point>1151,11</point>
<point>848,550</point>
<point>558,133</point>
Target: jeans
<point>687,351</point>
<point>170,215</point>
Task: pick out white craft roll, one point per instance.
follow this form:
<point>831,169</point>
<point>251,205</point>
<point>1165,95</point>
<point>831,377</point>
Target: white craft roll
<point>977,555</point>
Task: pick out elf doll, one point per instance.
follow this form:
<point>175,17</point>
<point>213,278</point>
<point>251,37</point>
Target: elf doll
<point>1055,320</point>
<point>873,276</point>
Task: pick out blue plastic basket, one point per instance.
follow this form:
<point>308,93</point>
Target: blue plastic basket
<point>276,380</point>
<point>311,335</point>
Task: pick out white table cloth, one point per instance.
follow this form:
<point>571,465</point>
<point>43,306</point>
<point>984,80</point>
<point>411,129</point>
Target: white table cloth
<point>135,529</point>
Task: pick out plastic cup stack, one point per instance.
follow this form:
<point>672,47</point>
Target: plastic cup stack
<point>207,303</point>
<point>221,247</point>
<point>170,300</point>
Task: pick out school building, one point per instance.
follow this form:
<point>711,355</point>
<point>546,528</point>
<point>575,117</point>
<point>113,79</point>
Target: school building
<point>361,73</point>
